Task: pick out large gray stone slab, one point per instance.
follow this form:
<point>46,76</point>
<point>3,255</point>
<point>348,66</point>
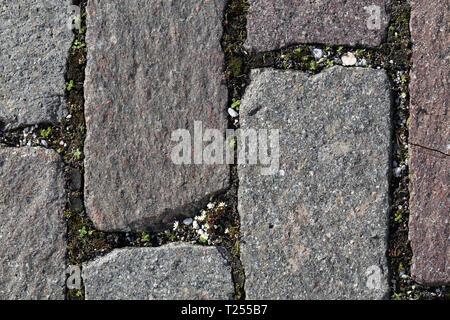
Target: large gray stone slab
<point>32,224</point>
<point>171,272</point>
<point>276,24</point>
<point>33,56</point>
<point>153,67</point>
<point>319,228</point>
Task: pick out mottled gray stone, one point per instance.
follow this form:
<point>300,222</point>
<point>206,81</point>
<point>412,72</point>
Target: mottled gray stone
<point>318,229</point>
<point>171,272</point>
<point>33,56</point>
<point>276,24</point>
<point>32,224</point>
<point>153,67</point>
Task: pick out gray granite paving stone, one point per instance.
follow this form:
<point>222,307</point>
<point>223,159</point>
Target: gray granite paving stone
<point>318,229</point>
<point>174,272</point>
<point>32,224</point>
<point>153,67</point>
<point>33,55</point>
<point>276,24</point>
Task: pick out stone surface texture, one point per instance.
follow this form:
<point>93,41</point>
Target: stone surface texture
<point>276,24</point>
<point>33,56</point>
<point>153,67</point>
<point>32,224</point>
<point>319,228</point>
<point>429,90</point>
<point>429,220</point>
<point>429,139</point>
<point>174,271</point>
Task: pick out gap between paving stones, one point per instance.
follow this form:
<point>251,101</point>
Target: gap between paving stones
<point>85,243</point>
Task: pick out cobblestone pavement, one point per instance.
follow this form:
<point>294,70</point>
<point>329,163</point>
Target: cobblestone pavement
<point>155,149</point>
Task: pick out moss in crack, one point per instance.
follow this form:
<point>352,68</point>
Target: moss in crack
<point>70,145</point>
<point>237,72</point>
<point>395,57</point>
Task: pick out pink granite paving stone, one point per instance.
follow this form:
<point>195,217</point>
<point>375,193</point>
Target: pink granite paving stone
<point>429,221</point>
<point>429,136</point>
<point>153,67</point>
<point>276,24</point>
<point>429,75</point>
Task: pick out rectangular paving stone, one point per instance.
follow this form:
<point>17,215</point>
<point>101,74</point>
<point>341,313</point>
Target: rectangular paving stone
<point>429,90</point>
<point>32,224</point>
<point>318,228</point>
<point>153,67</point>
<point>171,272</point>
<point>34,49</point>
<point>429,230</point>
<point>276,24</point>
<point>429,138</point>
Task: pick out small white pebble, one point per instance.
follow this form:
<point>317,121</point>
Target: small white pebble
<point>397,172</point>
<point>317,53</point>
<point>232,113</point>
<point>188,221</point>
<point>348,59</point>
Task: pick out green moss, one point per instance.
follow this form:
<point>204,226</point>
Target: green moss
<point>235,66</point>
